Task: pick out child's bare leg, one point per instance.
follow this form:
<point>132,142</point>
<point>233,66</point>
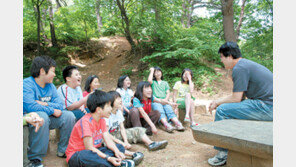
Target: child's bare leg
<point>175,121</point>
<point>192,107</point>
<point>146,140</point>
<point>129,153</point>
<point>163,121</point>
<point>187,104</point>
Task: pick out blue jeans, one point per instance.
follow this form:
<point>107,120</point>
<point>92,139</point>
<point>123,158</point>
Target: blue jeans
<point>38,142</point>
<point>88,158</point>
<point>247,109</point>
<point>164,110</point>
<point>78,113</point>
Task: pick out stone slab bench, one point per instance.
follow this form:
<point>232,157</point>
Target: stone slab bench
<point>249,143</point>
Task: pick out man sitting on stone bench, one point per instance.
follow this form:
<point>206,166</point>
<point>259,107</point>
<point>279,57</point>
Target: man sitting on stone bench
<point>250,80</point>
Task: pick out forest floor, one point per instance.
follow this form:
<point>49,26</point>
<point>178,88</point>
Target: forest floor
<point>182,149</point>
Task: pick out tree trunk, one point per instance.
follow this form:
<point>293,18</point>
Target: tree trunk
<point>99,18</point>
<point>183,16</point>
<point>126,21</point>
<point>157,19</point>
<point>85,29</point>
<point>38,29</point>
<point>187,9</point>
<point>228,26</point>
<point>58,4</point>
<point>52,29</point>
<point>241,17</point>
<point>37,7</point>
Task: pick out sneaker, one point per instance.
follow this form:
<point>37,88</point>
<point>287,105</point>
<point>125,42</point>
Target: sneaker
<point>30,164</point>
<point>169,128</point>
<point>157,145</point>
<point>138,157</point>
<point>127,163</point>
<point>61,155</point>
<point>36,163</point>
<point>194,124</point>
<point>186,119</point>
<point>180,127</point>
<point>219,159</point>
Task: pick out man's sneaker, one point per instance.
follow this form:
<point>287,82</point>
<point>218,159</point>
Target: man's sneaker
<point>138,157</point>
<point>219,159</point>
<point>36,163</point>
<point>157,145</point>
<point>127,163</point>
<point>61,155</point>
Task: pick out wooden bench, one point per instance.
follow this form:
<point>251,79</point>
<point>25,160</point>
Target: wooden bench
<point>249,143</point>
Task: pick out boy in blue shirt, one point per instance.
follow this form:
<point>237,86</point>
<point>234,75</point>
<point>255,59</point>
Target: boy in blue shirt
<point>40,96</point>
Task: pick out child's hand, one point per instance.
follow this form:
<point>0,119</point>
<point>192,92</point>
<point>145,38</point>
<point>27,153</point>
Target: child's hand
<point>151,69</point>
<point>154,130</point>
<point>82,109</point>
<point>188,76</point>
<point>57,113</point>
<point>127,145</point>
<point>120,155</point>
<point>114,161</point>
<point>35,120</point>
<point>174,105</point>
<point>42,103</point>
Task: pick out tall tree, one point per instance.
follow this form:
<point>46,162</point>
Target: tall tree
<point>37,4</point>
<point>99,17</point>
<point>125,23</point>
<point>187,11</point>
<point>241,17</point>
<point>51,24</point>
<point>228,26</point>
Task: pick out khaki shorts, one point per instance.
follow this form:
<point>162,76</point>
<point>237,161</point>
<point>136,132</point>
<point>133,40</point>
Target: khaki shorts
<point>134,135</point>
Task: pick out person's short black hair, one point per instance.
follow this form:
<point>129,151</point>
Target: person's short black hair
<point>120,81</point>
<point>230,48</point>
<point>191,73</point>
<point>158,69</point>
<point>140,87</point>
<point>67,71</point>
<point>39,62</point>
<point>97,99</point>
<point>113,95</point>
<point>89,81</point>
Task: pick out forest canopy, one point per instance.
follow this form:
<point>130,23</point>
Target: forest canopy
<point>172,34</point>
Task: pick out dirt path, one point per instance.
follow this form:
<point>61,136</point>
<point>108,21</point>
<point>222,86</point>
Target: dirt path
<point>182,149</point>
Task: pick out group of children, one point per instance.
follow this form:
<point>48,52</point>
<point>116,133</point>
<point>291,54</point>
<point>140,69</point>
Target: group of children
<point>97,127</point>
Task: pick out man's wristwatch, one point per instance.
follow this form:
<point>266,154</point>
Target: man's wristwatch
<point>107,156</point>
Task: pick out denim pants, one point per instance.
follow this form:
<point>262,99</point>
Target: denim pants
<point>247,109</point>
<point>25,145</point>
<point>87,158</point>
<point>38,142</point>
<point>78,113</point>
<point>166,111</point>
